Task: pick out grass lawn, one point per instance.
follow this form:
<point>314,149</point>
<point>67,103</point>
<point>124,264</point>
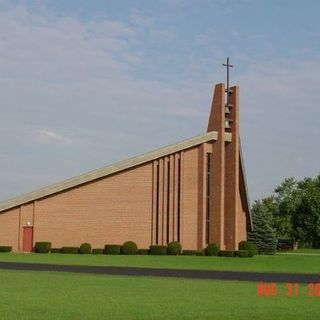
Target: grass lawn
<point>276,263</point>
<point>48,295</point>
<point>313,251</point>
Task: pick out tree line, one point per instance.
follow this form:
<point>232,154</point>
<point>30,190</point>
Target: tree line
<point>291,212</point>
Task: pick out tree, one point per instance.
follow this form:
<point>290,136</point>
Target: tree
<point>285,203</point>
<point>295,210</point>
<point>306,214</point>
<point>263,234</point>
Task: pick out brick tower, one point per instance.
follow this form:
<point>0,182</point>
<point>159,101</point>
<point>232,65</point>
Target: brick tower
<point>227,196</point>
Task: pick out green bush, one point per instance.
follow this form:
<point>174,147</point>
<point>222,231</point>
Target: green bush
<point>97,251</point>
<point>5,249</point>
<point>112,249</point>
<point>174,248</point>
<point>55,250</point>
<point>189,252</point>
<point>72,250</point>
<point>201,253</point>
<point>243,254</point>
<point>85,248</point>
<point>226,253</point>
<point>212,249</point>
<point>143,251</point>
<point>129,247</point>
<point>249,246</point>
<point>158,250</point>
<point>42,247</point>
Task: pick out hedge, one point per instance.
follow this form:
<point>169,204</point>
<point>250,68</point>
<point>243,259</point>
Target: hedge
<point>249,246</point>
<point>189,252</point>
<point>112,249</point>
<point>42,247</point>
<point>243,254</point>
<point>97,251</point>
<point>5,249</point>
<point>143,251</point>
<point>212,249</point>
<point>226,253</point>
<point>158,250</point>
<point>129,247</point>
<point>85,248</point>
<point>69,250</point>
<point>55,250</point>
<point>174,248</point>
<point>201,253</point>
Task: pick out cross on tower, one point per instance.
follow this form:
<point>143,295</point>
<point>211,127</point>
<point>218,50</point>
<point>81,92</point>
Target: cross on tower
<point>228,65</point>
<point>228,121</point>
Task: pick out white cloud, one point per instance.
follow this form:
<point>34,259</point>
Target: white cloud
<point>69,98</point>
<point>78,94</point>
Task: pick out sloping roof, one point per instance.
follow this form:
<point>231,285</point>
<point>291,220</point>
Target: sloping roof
<point>105,171</point>
<point>244,178</point>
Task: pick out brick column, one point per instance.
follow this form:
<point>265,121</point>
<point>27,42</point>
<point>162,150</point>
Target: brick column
<point>217,123</point>
<point>232,173</point>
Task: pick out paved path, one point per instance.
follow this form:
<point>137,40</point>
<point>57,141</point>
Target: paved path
<point>179,273</point>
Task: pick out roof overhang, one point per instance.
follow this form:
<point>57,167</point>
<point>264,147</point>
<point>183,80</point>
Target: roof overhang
<point>108,170</point>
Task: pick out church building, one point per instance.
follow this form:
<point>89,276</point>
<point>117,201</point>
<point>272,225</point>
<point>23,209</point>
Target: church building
<point>193,191</point>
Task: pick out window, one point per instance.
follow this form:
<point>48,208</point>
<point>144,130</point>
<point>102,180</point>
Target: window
<point>157,206</point>
<point>178,198</point>
<point>208,197</point>
<point>168,200</point>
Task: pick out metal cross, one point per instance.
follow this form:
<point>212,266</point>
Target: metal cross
<point>228,65</point>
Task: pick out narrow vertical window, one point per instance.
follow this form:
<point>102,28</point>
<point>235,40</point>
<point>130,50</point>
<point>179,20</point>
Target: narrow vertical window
<point>168,201</point>
<point>178,196</point>
<point>208,197</point>
<point>157,206</point>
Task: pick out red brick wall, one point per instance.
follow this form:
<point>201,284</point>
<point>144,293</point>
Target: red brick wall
<point>190,198</point>
<point>111,210</point>
<point>9,228</point>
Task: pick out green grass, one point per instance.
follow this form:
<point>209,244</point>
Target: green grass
<point>276,263</point>
<point>313,251</point>
<point>47,295</point>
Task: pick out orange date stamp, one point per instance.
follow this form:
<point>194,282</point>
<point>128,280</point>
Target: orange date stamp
<point>270,289</point>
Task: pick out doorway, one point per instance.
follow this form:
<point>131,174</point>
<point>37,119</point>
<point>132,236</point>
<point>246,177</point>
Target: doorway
<point>27,239</point>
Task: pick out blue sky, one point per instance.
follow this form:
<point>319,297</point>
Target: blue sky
<point>87,83</point>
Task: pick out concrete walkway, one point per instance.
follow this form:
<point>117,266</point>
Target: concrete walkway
<point>178,273</point>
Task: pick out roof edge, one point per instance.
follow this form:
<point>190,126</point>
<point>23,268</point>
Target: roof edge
<point>245,186</point>
<point>107,170</point>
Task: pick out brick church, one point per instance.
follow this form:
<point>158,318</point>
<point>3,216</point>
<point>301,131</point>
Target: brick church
<point>193,191</point>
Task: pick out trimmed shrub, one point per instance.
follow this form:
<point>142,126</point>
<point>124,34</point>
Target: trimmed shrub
<point>158,250</point>
<point>5,249</point>
<point>129,247</point>
<point>143,251</point>
<point>72,250</point>
<point>112,249</point>
<point>42,247</point>
<point>201,253</point>
<point>242,254</point>
<point>189,252</point>
<point>174,248</point>
<point>55,250</point>
<point>212,249</point>
<point>97,251</point>
<point>85,248</point>
<point>226,253</point>
<point>249,246</point>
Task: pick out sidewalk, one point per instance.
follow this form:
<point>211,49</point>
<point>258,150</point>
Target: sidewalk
<point>179,273</point>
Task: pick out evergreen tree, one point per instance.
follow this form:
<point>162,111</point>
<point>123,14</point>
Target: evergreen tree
<point>263,234</point>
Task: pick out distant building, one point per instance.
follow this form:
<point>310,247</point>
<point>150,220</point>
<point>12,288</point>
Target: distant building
<point>193,191</point>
